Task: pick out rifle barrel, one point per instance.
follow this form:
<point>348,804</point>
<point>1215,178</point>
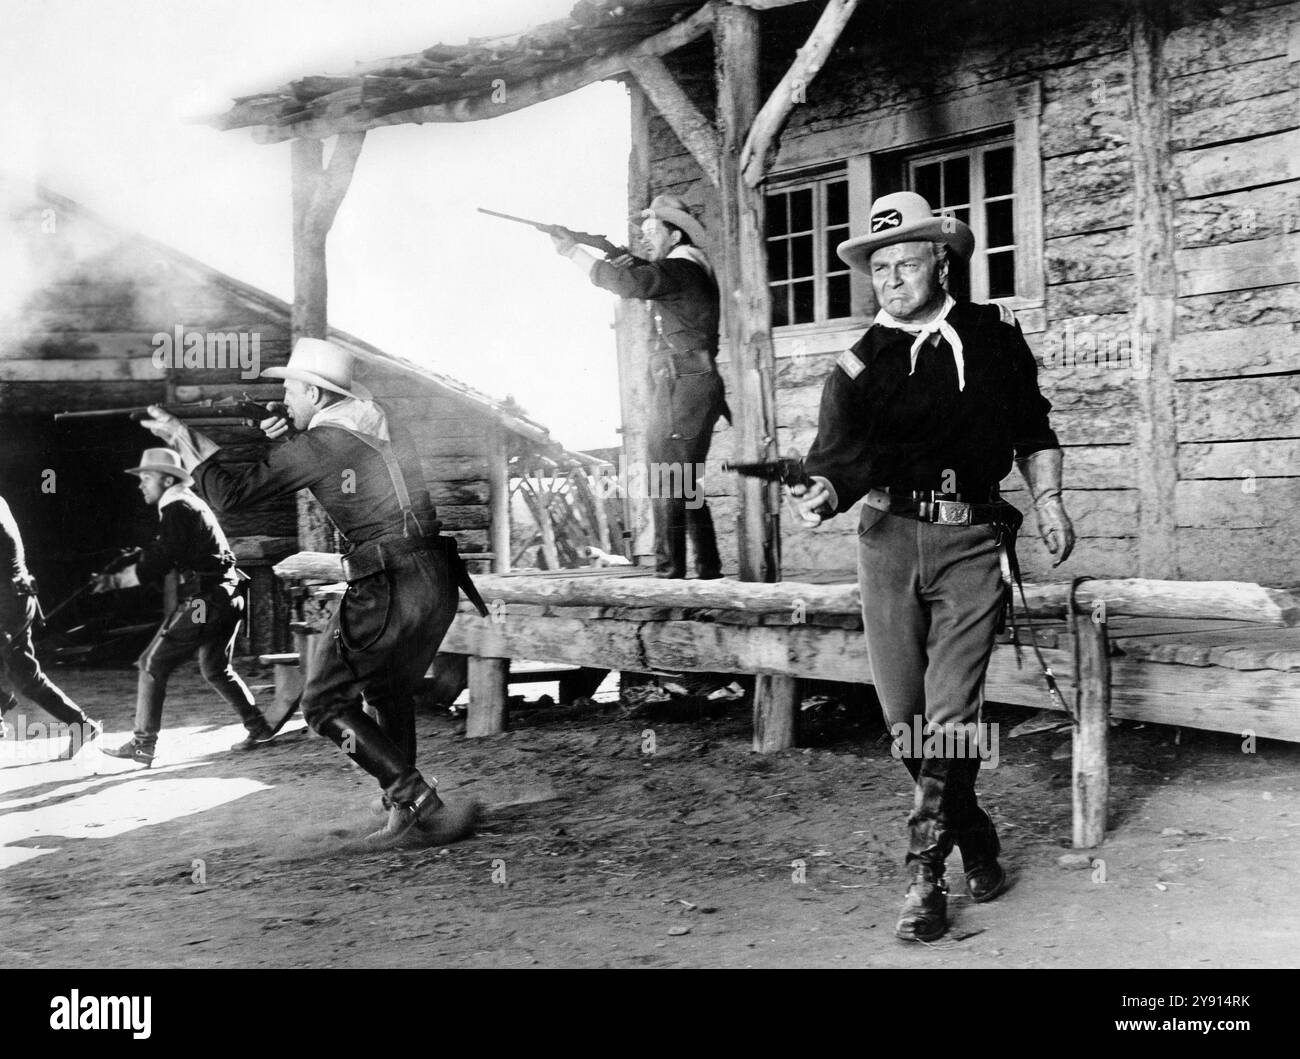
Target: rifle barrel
<point>511,217</point>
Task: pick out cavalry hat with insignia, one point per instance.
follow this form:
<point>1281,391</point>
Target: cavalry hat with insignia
<point>905,217</point>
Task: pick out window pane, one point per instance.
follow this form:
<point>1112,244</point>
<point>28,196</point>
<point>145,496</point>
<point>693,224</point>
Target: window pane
<point>804,303</point>
<point>834,236</point>
<point>998,218</point>
<point>837,296</point>
<point>776,214</point>
<point>801,215</point>
<point>998,170</point>
<point>801,256</point>
<point>927,184</point>
<point>956,181</point>
<point>837,202</point>
<point>780,308</point>
<point>1002,274</point>
<point>778,259</point>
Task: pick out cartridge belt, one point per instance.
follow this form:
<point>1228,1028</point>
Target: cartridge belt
<point>942,509</point>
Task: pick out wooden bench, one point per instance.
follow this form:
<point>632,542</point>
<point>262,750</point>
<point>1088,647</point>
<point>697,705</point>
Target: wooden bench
<point>786,632</point>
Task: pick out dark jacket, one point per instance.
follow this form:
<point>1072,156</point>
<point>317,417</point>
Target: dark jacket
<point>879,427</point>
<point>687,392</point>
<point>189,540</point>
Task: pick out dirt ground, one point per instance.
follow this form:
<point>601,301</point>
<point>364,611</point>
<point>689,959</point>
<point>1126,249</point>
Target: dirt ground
<point>596,854</point>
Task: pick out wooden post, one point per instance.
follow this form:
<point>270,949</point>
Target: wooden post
<point>499,499</point>
<point>1091,769</point>
<point>776,701</point>
<point>489,686</point>
<point>317,194</point>
<point>1155,287</point>
<point>632,330</point>
<point>746,303</point>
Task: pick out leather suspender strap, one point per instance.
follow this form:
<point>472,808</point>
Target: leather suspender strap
<point>385,451</point>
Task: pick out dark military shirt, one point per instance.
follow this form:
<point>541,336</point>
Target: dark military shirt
<point>189,540</point>
<point>881,428</point>
<point>347,476</point>
<point>685,299</point>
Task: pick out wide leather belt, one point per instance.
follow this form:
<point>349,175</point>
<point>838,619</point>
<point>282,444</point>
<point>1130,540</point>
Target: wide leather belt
<point>688,362</point>
<point>942,509</point>
<point>373,556</point>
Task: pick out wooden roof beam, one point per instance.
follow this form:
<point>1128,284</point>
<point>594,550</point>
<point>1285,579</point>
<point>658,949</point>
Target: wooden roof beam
<point>759,149</point>
<point>509,97</point>
<point>695,131</point>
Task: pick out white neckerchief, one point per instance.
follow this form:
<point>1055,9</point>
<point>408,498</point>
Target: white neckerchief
<point>365,417</point>
<point>692,253</point>
<point>939,325</point>
<point>175,492</point>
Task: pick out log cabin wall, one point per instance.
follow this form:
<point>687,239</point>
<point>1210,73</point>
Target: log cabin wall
<point>83,301</point>
<point>1156,210</point>
<point>453,439</point>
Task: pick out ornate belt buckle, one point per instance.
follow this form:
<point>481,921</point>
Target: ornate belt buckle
<point>952,513</point>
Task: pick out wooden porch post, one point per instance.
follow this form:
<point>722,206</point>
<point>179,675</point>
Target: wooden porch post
<point>317,194</point>
<point>746,304</point>
<point>1091,765</point>
<point>499,499</point>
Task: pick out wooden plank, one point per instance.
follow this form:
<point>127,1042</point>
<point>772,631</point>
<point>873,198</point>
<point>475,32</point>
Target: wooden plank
<point>1234,351</point>
<point>1222,600</point>
<point>1217,699</point>
<point>455,468</point>
<point>456,517</point>
<point>350,116</point>
<point>1241,553</point>
<point>1231,167</point>
<point>1237,504</point>
<point>1238,266</point>
<point>78,370</point>
<point>1276,458</point>
<point>1237,409</point>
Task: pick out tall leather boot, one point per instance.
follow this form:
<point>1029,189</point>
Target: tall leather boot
<point>924,916</point>
<point>418,817</point>
<point>670,536</point>
<point>977,839</point>
<point>699,523</point>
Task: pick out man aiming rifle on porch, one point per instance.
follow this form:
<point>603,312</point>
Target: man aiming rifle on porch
<point>687,395</point>
<point>923,417</point>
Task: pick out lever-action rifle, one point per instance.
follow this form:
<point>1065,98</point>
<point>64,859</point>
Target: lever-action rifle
<point>246,411</point>
<point>596,242</point>
<point>788,470</point>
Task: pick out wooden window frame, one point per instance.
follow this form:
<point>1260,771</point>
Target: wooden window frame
<point>816,180</point>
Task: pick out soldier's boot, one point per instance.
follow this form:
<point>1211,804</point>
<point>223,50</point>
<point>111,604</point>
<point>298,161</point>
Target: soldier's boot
<point>134,750</point>
<point>925,908</point>
<point>699,523</point>
<point>418,816</point>
<point>979,845</point>
<point>976,836</point>
<point>924,915</point>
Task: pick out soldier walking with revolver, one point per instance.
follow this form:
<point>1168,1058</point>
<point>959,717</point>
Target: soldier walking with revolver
<point>923,417</point>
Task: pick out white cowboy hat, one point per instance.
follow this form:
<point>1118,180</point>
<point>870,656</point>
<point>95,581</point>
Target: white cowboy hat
<point>322,364</point>
<point>164,461</point>
<point>905,217</point>
<point>673,209</point>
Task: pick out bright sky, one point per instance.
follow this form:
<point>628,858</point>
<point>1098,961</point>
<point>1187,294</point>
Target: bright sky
<point>97,104</point>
